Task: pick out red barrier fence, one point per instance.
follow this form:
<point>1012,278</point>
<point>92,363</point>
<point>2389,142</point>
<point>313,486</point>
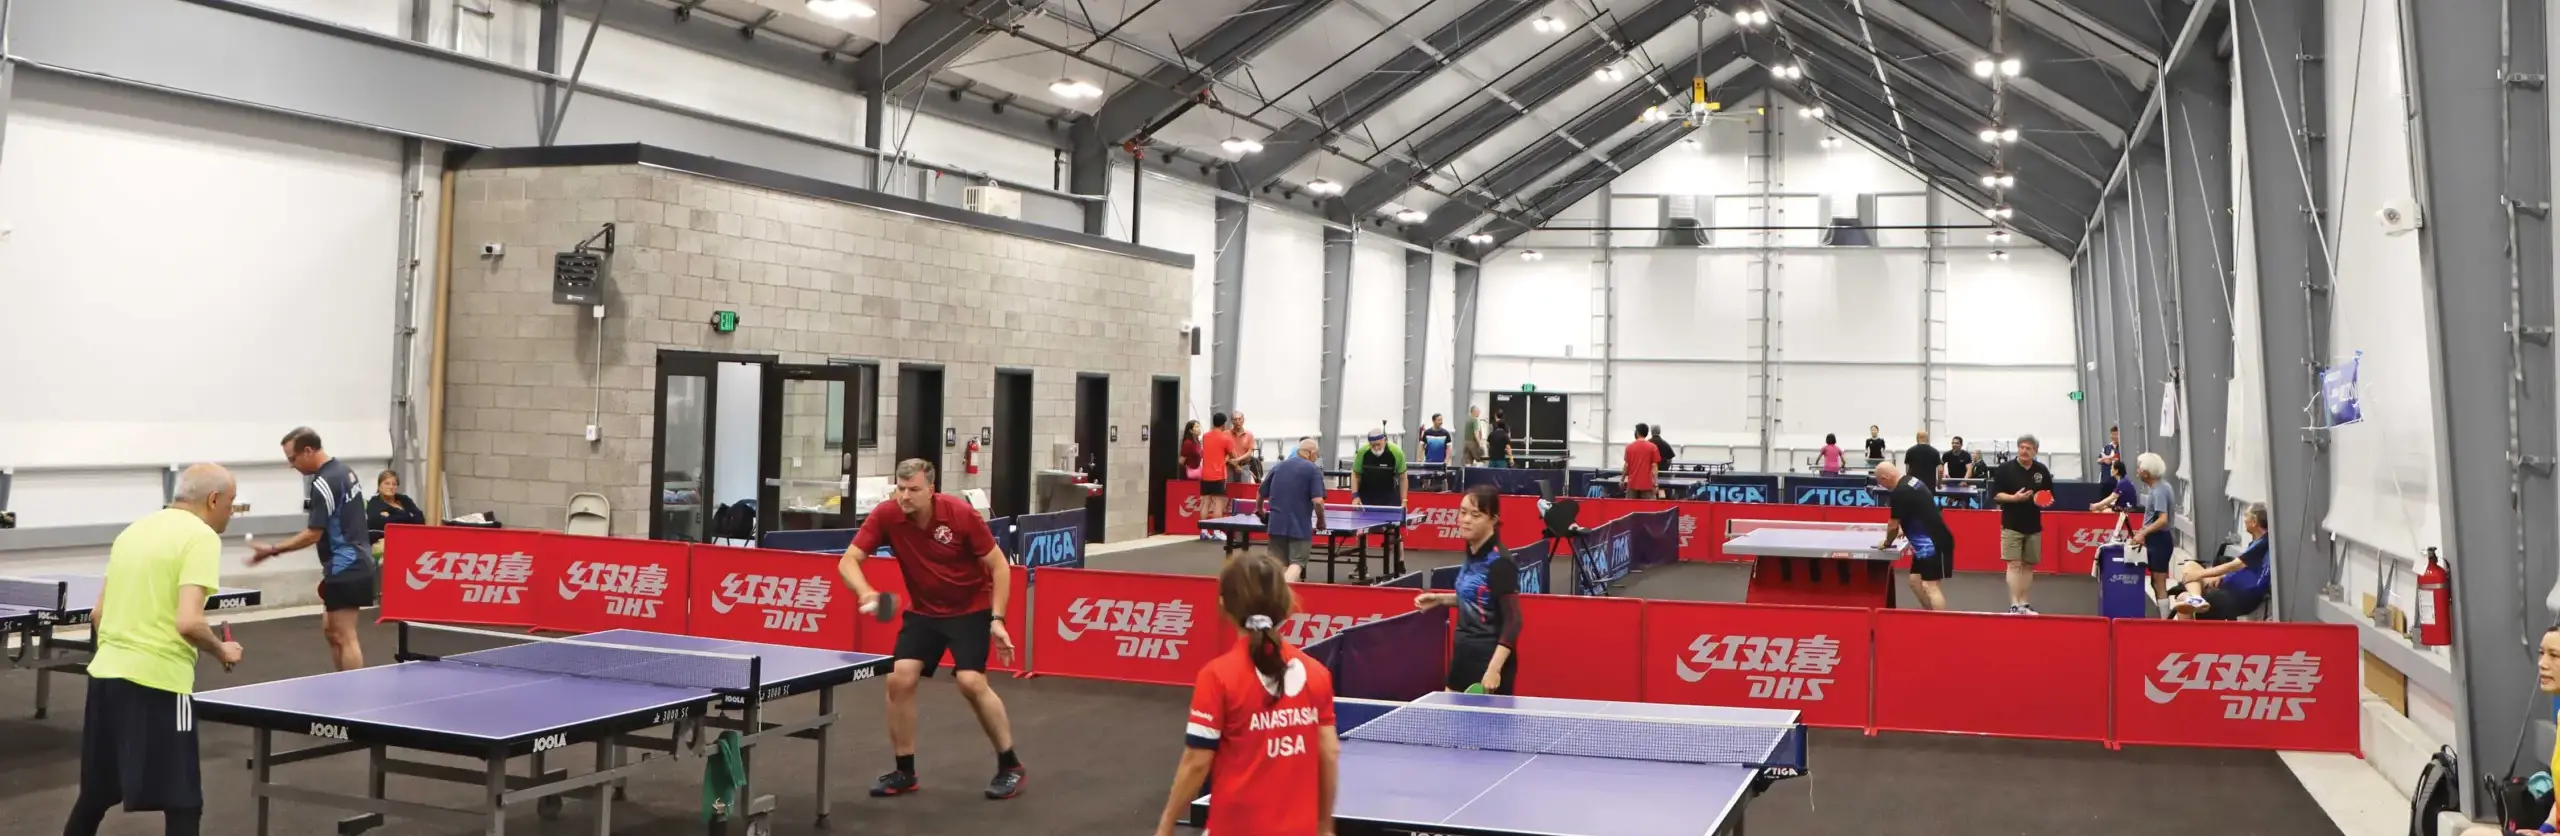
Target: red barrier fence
<point>2246,685</point>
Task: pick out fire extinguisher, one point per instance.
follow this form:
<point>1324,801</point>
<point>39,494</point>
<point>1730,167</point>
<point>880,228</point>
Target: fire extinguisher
<point>2435,603</point>
<point>969,457</point>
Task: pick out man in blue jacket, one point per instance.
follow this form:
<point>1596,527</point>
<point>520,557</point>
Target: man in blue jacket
<point>1293,506</point>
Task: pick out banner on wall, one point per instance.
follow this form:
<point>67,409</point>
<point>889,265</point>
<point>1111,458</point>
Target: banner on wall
<point>765,595</point>
<point>459,574</point>
<point>2338,393</point>
<point>592,584</point>
<point>1813,660</point>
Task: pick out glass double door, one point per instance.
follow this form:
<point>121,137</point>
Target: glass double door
<point>746,444</point>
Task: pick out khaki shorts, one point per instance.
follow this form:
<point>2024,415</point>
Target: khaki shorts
<point>2021,548</point>
<point>1291,551</point>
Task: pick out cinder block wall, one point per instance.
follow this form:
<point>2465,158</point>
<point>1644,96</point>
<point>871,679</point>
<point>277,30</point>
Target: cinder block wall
<point>812,280</point>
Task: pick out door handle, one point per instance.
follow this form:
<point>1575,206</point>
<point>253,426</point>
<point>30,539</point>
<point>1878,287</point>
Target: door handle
<point>773,483</point>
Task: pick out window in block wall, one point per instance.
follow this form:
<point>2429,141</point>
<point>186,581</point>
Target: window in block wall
<point>865,405</point>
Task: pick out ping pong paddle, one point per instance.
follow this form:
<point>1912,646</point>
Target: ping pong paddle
<point>226,639</point>
<point>1477,688</point>
<point>883,607</point>
<point>2044,497</point>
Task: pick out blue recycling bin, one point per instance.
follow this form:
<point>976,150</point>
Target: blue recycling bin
<point>2124,591</point>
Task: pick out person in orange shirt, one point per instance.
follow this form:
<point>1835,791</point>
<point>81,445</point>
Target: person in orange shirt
<point>1261,721</point>
<point>1643,458</point>
<point>1217,453</point>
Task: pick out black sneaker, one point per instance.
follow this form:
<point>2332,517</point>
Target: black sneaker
<point>1007,784</point>
<point>893,782</point>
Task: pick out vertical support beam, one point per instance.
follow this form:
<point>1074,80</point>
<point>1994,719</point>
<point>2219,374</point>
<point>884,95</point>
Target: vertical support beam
<point>1604,327</point>
<point>1771,405</point>
<point>2106,319</point>
<point>1137,193</point>
<point>2123,282</point>
<point>2152,287</point>
<point>1462,341</point>
<point>1226,300</point>
<point>1337,333</point>
<point>554,26</point>
<point>1089,173</point>
<point>1417,345</point>
<point>2196,122</point>
<point>869,71</point>
<point>2479,143</point>
<point>2283,100</point>
<point>8,72</point>
<point>2084,353</point>
<point>1935,311</point>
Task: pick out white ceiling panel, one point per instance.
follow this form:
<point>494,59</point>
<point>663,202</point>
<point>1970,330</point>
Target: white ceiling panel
<point>1516,50</point>
<point>1338,47</point>
<point>1158,28</point>
<point>1398,121</point>
<point>1025,69</point>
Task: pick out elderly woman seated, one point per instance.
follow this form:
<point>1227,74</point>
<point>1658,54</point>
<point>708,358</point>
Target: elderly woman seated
<point>2233,588</point>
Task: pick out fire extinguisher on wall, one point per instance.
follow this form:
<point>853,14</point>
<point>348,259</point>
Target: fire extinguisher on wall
<point>2435,603</point>
<point>969,457</point>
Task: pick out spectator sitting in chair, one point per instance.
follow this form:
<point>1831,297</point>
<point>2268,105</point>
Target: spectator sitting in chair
<point>389,507</point>
<point>2233,588</point>
<point>2547,675</point>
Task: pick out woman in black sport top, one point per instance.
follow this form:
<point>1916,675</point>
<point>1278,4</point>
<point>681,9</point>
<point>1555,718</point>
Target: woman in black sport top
<point>1487,598</point>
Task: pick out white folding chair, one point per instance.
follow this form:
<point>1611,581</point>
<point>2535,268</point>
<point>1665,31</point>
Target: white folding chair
<point>590,514</point>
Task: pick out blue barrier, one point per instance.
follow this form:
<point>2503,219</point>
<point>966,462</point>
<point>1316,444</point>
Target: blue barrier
<point>1738,487</point>
<point>829,540</point>
<point>1385,659</point>
<point>1041,541</point>
<point>1514,480</point>
<point>1608,554</point>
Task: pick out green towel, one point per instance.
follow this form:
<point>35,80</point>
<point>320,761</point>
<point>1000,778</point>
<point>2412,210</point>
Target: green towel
<point>722,773</point>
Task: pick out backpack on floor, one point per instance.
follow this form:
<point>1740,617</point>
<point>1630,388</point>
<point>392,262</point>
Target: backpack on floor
<point>2437,792</point>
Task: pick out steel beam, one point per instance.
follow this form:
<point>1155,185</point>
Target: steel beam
<point>2147,24</point>
<point>1588,177</point>
<point>2068,71</point>
<point>8,80</point>
<point>2197,128</point>
<point>932,39</point>
<point>1336,340</point>
<point>1417,342</point>
<point>1226,300</point>
<point>2479,144</point>
<point>2284,95</point>
<point>2084,355</point>
<point>1377,88</point>
<point>1535,86</point>
<point>1957,165</point>
<point>2123,281</point>
<point>1170,89</point>
<point>1462,342</point>
<point>2154,298</point>
<point>2107,321</point>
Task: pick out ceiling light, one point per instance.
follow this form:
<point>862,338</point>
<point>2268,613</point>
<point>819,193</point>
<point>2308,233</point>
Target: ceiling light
<point>1830,142</point>
<point>1788,71</point>
<point>1608,73</point>
<point>1982,67</point>
<point>1997,236</point>
<point>1074,88</point>
<point>1753,18</point>
<point>1999,136</point>
<point>1999,255</point>
<point>1412,216</point>
<point>1479,239</point>
<point>841,9</point>
<point>1813,113</point>
<point>1651,115</point>
<point>1321,186</point>
<point>1691,142</point>
<point>2000,213</point>
<point>1241,146</point>
<point>2011,67</point>
<point>1547,24</point>
<point>1999,180</point>
<point>1532,255</point>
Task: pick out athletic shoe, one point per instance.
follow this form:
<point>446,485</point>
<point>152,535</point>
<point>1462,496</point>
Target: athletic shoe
<point>2191,604</point>
<point>893,782</point>
<point>2013,609</point>
<point>2028,609</point>
<point>1007,784</point>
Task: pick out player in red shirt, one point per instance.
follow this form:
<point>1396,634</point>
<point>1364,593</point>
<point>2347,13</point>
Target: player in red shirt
<point>956,593</point>
<point>1262,716</point>
<point>1643,459</point>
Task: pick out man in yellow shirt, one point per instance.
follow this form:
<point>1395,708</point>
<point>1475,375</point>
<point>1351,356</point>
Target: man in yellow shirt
<point>138,740</point>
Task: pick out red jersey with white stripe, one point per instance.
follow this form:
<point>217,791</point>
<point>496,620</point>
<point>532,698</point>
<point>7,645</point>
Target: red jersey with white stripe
<point>1264,779</point>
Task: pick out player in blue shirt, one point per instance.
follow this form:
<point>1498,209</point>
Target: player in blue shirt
<point>336,528</point>
<point>1487,598</point>
<point>1292,507</point>
<point>2235,588</point>
<point>1435,442</point>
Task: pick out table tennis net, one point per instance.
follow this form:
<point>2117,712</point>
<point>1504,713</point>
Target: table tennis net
<point>589,658</point>
<point>1588,735</point>
<point>31,594</point>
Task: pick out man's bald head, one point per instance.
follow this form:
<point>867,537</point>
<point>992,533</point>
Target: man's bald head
<point>207,490</point>
<point>1307,448</point>
<point>1888,474</point>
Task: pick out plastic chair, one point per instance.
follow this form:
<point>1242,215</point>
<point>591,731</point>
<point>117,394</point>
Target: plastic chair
<point>977,499</point>
<point>590,514</point>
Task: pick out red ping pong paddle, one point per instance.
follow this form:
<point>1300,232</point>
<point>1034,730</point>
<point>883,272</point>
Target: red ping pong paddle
<point>883,607</point>
<point>226,638</point>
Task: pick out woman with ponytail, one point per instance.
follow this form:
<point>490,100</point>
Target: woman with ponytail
<point>1487,598</point>
<point>1262,716</point>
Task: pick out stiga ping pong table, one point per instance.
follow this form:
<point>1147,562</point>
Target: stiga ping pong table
<point>34,608</point>
<point>1343,536</point>
<point>531,697</point>
<point>1477,765</point>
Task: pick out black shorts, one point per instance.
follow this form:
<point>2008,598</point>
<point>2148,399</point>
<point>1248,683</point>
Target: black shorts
<point>1213,487</point>
<point>1935,567</point>
<point>2157,549</point>
<point>349,590</point>
<point>2224,605</point>
<point>1467,660</point>
<point>138,747</point>
<point>924,638</point>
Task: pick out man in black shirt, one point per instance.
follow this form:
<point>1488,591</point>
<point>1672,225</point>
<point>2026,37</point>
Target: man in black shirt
<point>1933,546</point>
<point>1498,442</point>
<point>1663,446</point>
<point>2020,487</point>
<point>1959,461</point>
<point>1875,444</point>
<point>1922,461</point>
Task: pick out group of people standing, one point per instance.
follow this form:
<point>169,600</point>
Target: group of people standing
<point>2181,588</point>
<point>2020,487</point>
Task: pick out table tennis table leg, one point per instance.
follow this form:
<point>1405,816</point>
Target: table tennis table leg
<point>547,807</point>
<point>497,790</point>
<point>604,791</point>
<point>826,741</point>
<point>43,638</point>
<point>262,748</point>
<point>377,779</point>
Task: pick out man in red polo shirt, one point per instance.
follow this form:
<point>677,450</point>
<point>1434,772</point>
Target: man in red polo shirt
<point>1643,458</point>
<point>956,602</point>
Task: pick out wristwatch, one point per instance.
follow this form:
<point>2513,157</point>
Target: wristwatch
<point>995,616</point>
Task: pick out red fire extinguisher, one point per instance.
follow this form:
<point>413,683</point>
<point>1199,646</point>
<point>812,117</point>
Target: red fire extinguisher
<point>2435,603</point>
<point>969,457</point>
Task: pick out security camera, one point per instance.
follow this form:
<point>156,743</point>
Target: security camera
<point>492,249</point>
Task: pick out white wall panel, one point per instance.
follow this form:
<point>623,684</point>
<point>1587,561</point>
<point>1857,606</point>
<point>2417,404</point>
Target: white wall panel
<point>939,140</point>
<point>2014,311</point>
<point>1852,306</point>
<point>1184,219</point>
<point>1699,403</point>
<point>1373,351</point>
<point>1844,400</point>
<point>1279,361</point>
<point>1537,308</point>
<point>655,69</point>
<point>2007,403</point>
<point>2245,434</point>
<point>385,17</point>
<point>1684,305</point>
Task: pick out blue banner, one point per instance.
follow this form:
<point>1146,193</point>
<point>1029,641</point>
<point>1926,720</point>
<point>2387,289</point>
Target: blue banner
<point>2338,392</point>
<point>1654,538</point>
<point>1517,481</point>
<point>1835,491</point>
<point>1044,540</point>
<point>1739,487</point>
<point>1533,560</point>
<point>1603,557</point>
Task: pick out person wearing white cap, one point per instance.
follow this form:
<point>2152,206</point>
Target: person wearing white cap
<point>1377,473</point>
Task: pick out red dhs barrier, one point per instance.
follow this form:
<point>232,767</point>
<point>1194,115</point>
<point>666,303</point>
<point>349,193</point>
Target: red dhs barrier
<point>460,575</point>
<point>1581,648</point>
<point>1182,503</point>
<point>1812,660</point>
<point>2071,541</point>
<point>591,584</point>
<point>1127,626</point>
<point>778,597</point>
<point>2041,676</point>
<point>2237,685</point>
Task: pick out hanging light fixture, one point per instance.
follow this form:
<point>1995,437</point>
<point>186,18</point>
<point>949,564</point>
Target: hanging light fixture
<point>1815,112</point>
<point>1788,71</point>
<point>1751,18</point>
<point>1074,88</point>
<point>1999,180</point>
<point>1999,255</point>
<point>1547,25</point>
<point>1240,146</point>
<point>841,9</point>
<point>1323,187</point>
<point>1609,73</point>
<point>1997,236</point>
<point>2000,213</point>
<point>1532,255</point>
<point>1999,136</point>
<point>1830,142</point>
<point>1479,239</point>
<point>1412,216</point>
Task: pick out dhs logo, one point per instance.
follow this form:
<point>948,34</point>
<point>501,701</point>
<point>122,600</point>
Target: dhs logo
<point>1732,493</point>
<point>1836,497</point>
<point>1049,548</point>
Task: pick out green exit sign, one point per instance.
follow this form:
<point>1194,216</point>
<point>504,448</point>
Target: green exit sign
<point>1528,387</point>
<point>2075,394</point>
<point>724,321</point>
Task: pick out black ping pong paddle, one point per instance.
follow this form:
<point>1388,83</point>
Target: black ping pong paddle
<point>883,607</point>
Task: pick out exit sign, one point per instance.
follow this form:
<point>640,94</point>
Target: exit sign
<point>724,321</point>
<point>2075,394</point>
<point>1528,387</point>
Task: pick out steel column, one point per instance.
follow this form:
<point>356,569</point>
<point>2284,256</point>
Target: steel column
<point>2123,283</point>
<point>1462,341</point>
<point>2197,127</point>
<point>1226,300</point>
<point>8,72</point>
<point>1417,342</point>
<point>1337,333</point>
<point>2479,145</point>
<point>2083,354</point>
<point>2153,286</point>
<point>2102,336</point>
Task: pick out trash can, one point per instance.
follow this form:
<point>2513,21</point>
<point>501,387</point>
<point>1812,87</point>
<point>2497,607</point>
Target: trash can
<point>2124,590</point>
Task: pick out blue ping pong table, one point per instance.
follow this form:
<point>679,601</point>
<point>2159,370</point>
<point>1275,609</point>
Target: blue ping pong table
<point>530,699</point>
<point>1344,536</point>
<point>1480,765</point>
<point>33,608</point>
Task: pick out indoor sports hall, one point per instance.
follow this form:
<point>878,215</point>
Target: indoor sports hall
<point>1260,417</point>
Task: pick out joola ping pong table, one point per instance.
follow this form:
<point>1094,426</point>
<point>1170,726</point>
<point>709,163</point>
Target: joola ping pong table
<point>33,609</point>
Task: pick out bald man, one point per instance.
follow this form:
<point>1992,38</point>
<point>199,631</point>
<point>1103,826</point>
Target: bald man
<point>1915,510</point>
<point>138,737</point>
<point>1293,499</point>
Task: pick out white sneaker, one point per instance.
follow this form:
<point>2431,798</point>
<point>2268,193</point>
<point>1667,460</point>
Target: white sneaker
<point>2026,609</point>
<point>2191,604</point>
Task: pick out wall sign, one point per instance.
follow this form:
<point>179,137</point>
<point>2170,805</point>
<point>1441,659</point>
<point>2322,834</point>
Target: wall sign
<point>950,437</point>
<point>1115,433</point>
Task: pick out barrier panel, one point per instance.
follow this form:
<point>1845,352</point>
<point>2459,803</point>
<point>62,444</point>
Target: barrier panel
<point>1325,609</point>
<point>1581,648</point>
<point>885,575</point>
<point>1739,488</point>
<point>1438,530</point>
<point>773,596</point>
<point>2072,540</point>
<point>1840,491</point>
<point>2245,685</point>
<point>1182,503</point>
<point>1813,660</point>
<point>1519,523</point>
<point>833,540</point>
<point>1977,540</point>
<point>1400,658</point>
<point>1041,541</point>
<point>588,584</point>
<point>2043,677</point>
<point>1596,512</point>
<point>1128,626</point>
<point>459,575</point>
